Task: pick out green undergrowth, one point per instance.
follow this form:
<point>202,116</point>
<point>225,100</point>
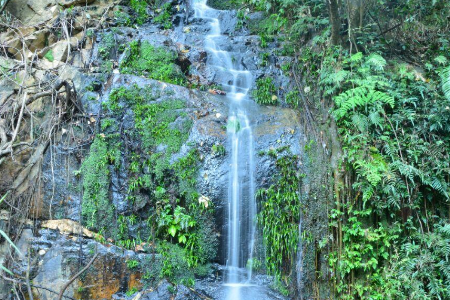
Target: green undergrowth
<point>139,13</point>
<point>164,214</point>
<point>391,224</point>
<point>279,215</point>
<point>152,62</point>
<point>265,91</point>
<point>164,17</point>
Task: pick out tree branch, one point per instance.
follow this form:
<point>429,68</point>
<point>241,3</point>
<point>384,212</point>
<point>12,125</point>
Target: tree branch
<point>61,294</point>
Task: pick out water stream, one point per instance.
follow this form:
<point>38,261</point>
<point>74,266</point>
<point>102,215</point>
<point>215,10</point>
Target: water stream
<point>241,210</point>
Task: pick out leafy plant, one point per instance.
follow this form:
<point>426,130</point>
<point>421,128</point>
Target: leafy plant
<point>132,264</point>
<point>446,82</point>
<point>49,55</point>
<point>164,18</point>
<point>6,237</point>
<point>265,92</point>
<point>280,213</point>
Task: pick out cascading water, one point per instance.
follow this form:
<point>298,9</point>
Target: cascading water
<point>241,212</point>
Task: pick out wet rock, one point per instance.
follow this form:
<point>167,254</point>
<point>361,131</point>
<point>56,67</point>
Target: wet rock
<point>61,188</point>
<point>70,3</point>
<point>108,274</point>
<point>228,22</point>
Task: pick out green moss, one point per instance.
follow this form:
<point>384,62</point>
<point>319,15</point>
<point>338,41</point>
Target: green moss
<point>265,92</point>
<point>122,18</point>
<point>140,9</point>
<point>164,18</point>
<point>218,149</point>
<point>153,62</point>
<point>105,49</point>
<point>97,210</point>
<point>165,186</point>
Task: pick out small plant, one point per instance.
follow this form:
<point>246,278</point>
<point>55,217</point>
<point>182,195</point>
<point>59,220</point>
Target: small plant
<point>131,291</point>
<point>140,9</point>
<point>164,17</point>
<point>254,264</point>
<point>49,55</point>
<point>218,149</point>
<point>132,264</point>
<point>293,98</point>
<point>286,67</point>
<point>264,58</point>
<point>265,92</point>
<point>152,62</point>
<point>122,18</point>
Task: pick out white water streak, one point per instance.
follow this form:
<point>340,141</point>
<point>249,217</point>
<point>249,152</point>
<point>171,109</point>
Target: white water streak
<point>241,191</point>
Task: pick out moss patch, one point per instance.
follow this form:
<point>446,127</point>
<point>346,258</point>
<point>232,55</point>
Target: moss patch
<point>152,62</point>
<point>97,210</point>
<point>162,197</point>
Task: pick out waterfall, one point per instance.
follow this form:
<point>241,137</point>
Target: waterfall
<point>241,210</point>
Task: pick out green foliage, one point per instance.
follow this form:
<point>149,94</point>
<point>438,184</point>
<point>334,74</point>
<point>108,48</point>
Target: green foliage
<point>49,55</point>
<point>218,149</point>
<point>224,4</point>
<point>106,48</point>
<point>366,248</point>
<point>359,97</point>
<point>177,221</point>
<point>421,270</point>
<point>265,92</point>
<point>122,18</point>
<point>175,265</point>
<point>97,210</point>
<point>152,62</point>
<point>293,98</point>
<point>397,171</point>
<point>164,18</point>
<point>280,213</point>
<point>132,264</point>
<point>446,82</point>
<point>131,291</point>
<point>140,9</point>
<point>254,264</point>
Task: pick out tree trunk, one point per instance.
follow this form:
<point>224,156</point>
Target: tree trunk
<point>356,9</point>
<point>334,21</point>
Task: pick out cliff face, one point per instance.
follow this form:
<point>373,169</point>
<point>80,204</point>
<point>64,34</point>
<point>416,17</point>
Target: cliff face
<point>117,123</point>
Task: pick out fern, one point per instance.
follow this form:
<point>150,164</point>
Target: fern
<point>445,76</point>
<point>359,96</point>
<point>376,61</point>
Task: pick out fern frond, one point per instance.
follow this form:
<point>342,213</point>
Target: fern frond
<point>445,76</point>
<point>376,61</point>
<point>359,96</point>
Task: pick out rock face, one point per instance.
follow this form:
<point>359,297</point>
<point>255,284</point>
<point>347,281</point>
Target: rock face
<point>196,121</point>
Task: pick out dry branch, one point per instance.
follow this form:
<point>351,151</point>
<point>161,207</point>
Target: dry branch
<point>76,276</point>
